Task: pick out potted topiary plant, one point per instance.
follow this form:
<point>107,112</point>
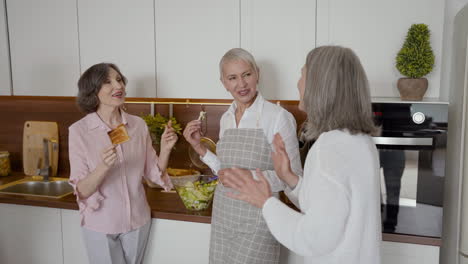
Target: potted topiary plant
<point>415,60</point>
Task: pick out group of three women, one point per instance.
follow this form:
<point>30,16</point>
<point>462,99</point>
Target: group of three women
<point>257,157</point>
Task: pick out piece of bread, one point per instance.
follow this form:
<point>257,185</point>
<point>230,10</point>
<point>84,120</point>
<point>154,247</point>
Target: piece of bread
<point>119,135</point>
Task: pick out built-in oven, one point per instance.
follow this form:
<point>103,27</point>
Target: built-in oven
<point>412,151</point>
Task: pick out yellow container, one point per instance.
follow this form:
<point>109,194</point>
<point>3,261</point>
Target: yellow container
<point>5,167</point>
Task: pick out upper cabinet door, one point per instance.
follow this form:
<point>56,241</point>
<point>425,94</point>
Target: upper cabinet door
<point>44,46</point>
<point>191,38</point>
<point>279,34</point>
<point>5,79</point>
<point>121,32</point>
<point>376,30</point>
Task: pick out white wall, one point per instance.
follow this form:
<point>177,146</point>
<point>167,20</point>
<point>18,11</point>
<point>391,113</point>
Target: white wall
<point>5,79</point>
<point>191,38</point>
<point>121,32</point>
<point>280,34</point>
<point>171,48</point>
<point>44,46</point>
<point>375,30</point>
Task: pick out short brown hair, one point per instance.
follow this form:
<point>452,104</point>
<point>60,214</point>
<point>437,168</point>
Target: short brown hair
<point>336,93</point>
<point>91,82</point>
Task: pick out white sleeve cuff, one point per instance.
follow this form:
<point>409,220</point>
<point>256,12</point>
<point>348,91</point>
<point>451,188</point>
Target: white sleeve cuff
<point>212,161</point>
<point>293,193</point>
<point>209,156</point>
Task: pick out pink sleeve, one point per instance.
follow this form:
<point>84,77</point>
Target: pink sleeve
<point>152,170</point>
<point>79,170</point>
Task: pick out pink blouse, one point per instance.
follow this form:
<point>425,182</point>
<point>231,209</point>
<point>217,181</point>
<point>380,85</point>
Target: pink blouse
<point>119,205</point>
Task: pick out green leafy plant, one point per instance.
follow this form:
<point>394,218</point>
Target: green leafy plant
<point>416,59</point>
<point>156,125</point>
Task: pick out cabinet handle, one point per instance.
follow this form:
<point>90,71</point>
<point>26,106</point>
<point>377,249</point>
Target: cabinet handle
<point>403,141</point>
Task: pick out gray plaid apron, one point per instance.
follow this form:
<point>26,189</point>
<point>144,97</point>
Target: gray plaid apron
<point>239,234</point>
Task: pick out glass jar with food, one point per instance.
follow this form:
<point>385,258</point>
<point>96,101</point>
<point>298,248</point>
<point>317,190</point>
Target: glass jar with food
<point>5,167</point>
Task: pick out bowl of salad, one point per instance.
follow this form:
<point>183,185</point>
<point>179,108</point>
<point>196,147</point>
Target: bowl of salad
<point>195,191</point>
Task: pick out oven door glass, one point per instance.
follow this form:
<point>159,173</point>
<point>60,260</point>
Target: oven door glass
<point>398,177</point>
<point>411,190</point>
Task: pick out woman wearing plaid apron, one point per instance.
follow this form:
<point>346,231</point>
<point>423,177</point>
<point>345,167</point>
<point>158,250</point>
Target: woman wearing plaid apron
<point>339,193</point>
<point>239,234</point>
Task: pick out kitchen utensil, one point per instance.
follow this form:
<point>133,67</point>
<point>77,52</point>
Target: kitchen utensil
<point>34,133</point>
<point>195,191</point>
<point>195,158</point>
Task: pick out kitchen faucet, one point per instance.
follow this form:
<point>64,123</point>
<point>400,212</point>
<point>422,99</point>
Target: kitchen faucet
<point>46,170</point>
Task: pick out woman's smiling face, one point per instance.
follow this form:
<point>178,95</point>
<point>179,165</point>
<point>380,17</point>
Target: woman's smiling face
<point>112,92</point>
<point>240,79</point>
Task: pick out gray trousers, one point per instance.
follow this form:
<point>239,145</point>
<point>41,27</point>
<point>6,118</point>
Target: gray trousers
<point>125,248</point>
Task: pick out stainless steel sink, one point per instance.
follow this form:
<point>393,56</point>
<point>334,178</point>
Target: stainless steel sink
<point>54,188</point>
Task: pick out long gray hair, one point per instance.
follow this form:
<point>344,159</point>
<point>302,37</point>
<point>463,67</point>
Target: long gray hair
<point>336,93</point>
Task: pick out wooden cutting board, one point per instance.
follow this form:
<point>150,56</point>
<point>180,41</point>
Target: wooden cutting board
<point>33,146</point>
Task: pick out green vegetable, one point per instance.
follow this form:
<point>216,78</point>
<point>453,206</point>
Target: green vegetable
<point>156,126</point>
<point>197,195</point>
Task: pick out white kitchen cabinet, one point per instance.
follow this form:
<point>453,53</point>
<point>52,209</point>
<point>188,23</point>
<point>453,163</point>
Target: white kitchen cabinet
<point>403,253</point>
<point>74,250</point>
<point>121,32</point>
<point>191,38</point>
<point>178,242</point>
<point>391,253</point>
<point>5,79</point>
<point>279,34</point>
<point>30,234</point>
<point>376,30</point>
<point>44,47</point>
<point>170,241</point>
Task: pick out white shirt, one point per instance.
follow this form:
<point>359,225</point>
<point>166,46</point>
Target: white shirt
<point>272,119</point>
<point>340,203</point>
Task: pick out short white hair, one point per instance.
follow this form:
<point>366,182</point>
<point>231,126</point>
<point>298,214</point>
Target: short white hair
<point>238,54</point>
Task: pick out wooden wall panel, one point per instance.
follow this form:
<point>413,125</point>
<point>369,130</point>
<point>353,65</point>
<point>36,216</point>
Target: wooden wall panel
<point>15,110</point>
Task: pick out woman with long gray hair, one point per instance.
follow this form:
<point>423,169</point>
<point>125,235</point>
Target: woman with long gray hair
<point>338,195</point>
<point>239,234</point>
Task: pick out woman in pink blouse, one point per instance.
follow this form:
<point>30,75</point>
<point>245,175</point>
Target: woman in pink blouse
<point>107,178</point>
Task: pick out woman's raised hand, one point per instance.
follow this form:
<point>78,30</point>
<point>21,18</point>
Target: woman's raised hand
<point>168,138</point>
<point>109,156</point>
<point>250,190</point>
<point>281,162</point>
<point>192,133</point>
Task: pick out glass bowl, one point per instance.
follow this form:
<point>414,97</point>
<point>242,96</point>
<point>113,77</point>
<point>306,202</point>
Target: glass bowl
<point>195,191</point>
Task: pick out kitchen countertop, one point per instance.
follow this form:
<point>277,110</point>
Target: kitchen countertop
<point>166,205</point>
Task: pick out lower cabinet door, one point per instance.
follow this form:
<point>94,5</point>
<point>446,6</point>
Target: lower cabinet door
<point>391,253</point>
<point>30,234</point>
<point>178,242</point>
<point>74,250</point>
<point>403,253</point>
